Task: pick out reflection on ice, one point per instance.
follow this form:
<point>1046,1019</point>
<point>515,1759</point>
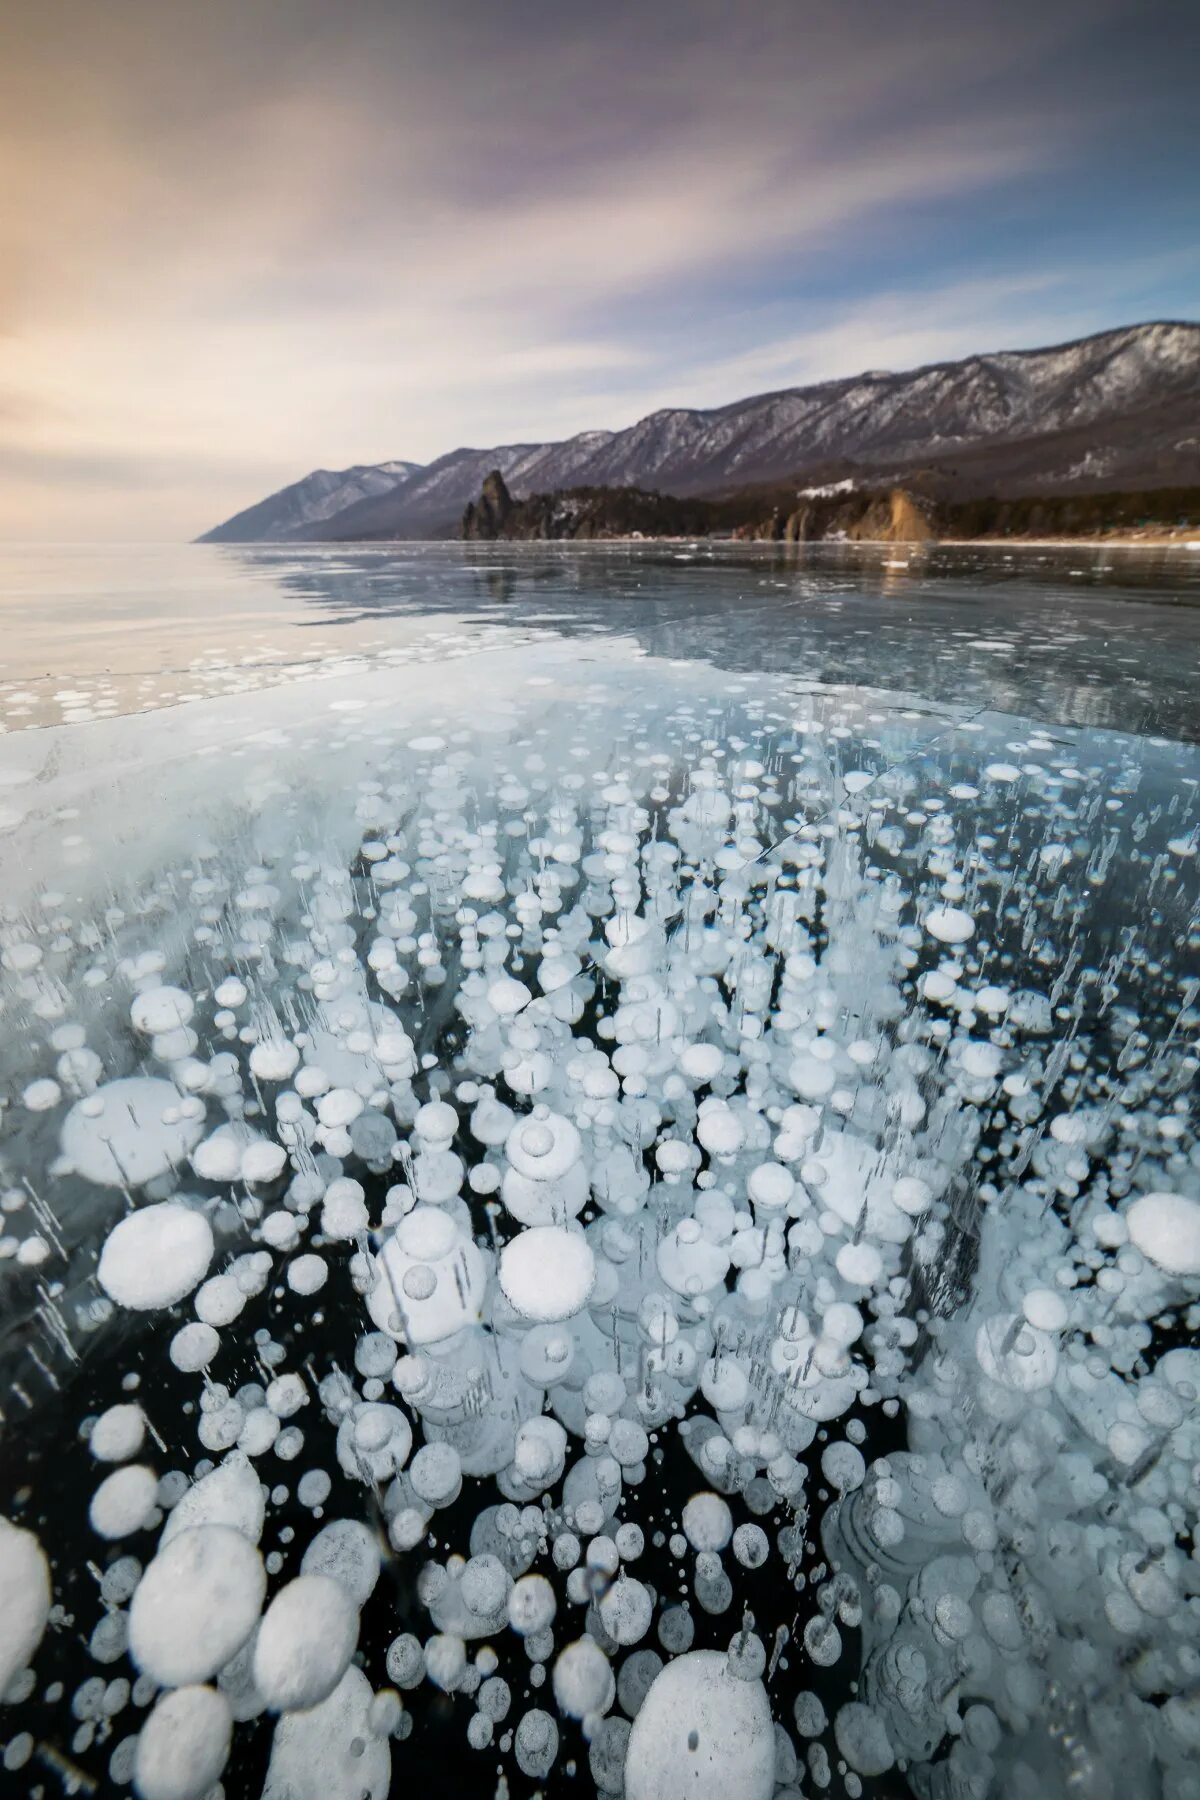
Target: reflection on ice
<point>1088,635</point>
<point>602,1215</point>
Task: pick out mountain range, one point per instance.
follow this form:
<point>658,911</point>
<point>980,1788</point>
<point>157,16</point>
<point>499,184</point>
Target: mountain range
<point>1120,409</point>
<point>321,496</point>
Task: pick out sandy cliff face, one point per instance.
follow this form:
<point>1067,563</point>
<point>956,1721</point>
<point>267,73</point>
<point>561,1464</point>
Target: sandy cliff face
<point>896,518</point>
<point>892,517</point>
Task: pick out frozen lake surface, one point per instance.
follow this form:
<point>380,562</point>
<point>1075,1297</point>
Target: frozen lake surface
<point>1090,635</point>
<point>599,1171</point>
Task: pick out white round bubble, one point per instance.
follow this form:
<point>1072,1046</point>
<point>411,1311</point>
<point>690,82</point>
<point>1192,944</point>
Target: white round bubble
<point>547,1273</point>
<point>129,1131</point>
<point>156,1256</point>
<point>196,1605</point>
<point>183,1745</point>
<point>305,1642</point>
<point>701,1733</point>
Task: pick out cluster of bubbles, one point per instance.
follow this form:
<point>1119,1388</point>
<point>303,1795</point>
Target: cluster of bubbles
<point>740,1095</point>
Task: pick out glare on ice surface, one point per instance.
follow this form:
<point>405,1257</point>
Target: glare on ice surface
<point>723,1137</point>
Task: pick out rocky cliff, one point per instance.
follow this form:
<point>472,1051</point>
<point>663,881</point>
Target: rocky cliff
<point>585,513</point>
<point>1115,411</point>
<point>892,517</point>
<point>840,512</point>
<point>491,515</point>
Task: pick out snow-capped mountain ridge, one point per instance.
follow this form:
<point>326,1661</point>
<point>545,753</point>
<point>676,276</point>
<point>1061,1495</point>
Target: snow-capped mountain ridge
<point>307,502</point>
<point>1127,396</point>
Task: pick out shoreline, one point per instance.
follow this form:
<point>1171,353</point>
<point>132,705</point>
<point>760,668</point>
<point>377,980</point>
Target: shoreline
<point>1069,543</point>
<point>1011,543</point>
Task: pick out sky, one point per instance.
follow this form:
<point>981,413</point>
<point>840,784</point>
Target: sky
<point>240,239</point>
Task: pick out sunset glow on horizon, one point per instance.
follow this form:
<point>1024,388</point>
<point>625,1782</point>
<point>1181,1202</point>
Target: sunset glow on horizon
<point>241,241</point>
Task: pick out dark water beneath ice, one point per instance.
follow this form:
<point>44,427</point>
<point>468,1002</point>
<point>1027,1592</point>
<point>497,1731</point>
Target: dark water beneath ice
<point>369,787</point>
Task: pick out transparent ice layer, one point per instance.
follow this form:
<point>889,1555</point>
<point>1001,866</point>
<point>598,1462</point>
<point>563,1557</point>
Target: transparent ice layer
<point>603,1214</point>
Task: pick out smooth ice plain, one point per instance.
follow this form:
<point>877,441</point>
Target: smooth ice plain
<point>601,1187</point>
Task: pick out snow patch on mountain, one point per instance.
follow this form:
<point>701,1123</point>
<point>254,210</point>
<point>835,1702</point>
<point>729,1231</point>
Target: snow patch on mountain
<point>1112,382</point>
<point>318,496</point>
